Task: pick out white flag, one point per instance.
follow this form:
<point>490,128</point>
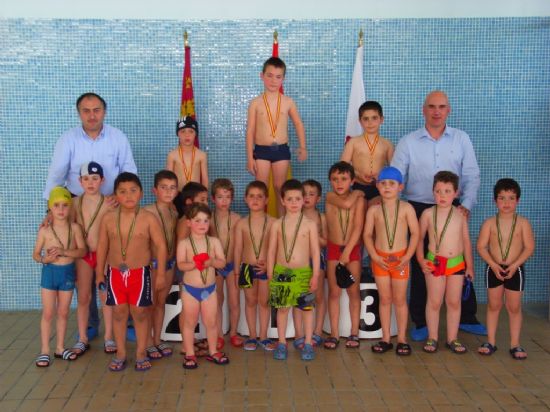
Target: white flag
<point>356,97</point>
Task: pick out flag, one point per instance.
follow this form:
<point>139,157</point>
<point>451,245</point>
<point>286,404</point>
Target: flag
<point>187,107</point>
<point>356,94</point>
<point>272,202</point>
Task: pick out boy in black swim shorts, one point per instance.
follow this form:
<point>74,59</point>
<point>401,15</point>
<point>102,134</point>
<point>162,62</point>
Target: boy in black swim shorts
<point>505,242</point>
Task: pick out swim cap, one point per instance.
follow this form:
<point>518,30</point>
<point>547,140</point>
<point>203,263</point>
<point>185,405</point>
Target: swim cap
<point>91,168</point>
<point>187,123</point>
<point>390,173</point>
<point>59,194</point>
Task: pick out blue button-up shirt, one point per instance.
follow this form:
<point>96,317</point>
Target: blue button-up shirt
<point>419,157</point>
<point>110,149</point>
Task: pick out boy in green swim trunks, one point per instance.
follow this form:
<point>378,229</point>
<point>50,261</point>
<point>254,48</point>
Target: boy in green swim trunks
<point>446,262</point>
<point>293,244</point>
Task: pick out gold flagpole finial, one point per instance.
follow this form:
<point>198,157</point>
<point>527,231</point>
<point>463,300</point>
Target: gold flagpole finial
<point>185,39</point>
<point>361,38</point>
<point>275,37</point>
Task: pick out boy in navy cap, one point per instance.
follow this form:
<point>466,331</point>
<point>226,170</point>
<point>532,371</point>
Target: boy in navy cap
<point>390,248</point>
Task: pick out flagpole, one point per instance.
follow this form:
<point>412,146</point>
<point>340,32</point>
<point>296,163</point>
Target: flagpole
<point>275,37</point>
<point>360,37</point>
<point>185,39</point>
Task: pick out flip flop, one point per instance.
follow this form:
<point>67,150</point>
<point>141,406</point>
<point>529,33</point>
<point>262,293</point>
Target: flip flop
<point>153,353</point>
<point>430,346</point>
<point>403,349</point>
<point>456,347</point>
<point>218,358</point>
<point>352,342</point>
<point>190,362</point>
<point>331,343</point>
<point>67,354</point>
<point>515,351</point>
<point>109,346</point>
<point>236,341</point>
<point>165,350</point>
<point>142,365</point>
<point>81,347</point>
<point>117,365</point>
<point>382,347</point>
<point>490,349</point>
<point>42,360</point>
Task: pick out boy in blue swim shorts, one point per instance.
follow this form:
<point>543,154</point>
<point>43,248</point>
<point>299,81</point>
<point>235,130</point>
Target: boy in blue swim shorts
<point>293,266</point>
<point>165,189</point>
<point>267,148</point>
<point>222,226</point>
<point>57,247</point>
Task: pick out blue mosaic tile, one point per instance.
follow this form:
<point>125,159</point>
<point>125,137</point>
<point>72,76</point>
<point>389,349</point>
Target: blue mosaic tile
<point>495,71</point>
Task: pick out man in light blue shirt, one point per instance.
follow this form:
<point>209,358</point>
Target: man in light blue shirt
<point>92,141</point>
<point>419,156</point>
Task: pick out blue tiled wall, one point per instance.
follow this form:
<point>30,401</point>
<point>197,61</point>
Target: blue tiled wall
<point>496,72</point>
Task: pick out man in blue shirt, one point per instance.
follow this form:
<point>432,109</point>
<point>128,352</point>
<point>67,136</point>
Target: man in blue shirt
<point>92,141</point>
<point>419,156</point>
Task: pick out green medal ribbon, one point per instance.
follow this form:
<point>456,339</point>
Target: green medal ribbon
<point>505,253</point>
<point>288,255</point>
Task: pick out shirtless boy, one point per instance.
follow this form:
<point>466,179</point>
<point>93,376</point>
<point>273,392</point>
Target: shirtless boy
<point>267,129</point>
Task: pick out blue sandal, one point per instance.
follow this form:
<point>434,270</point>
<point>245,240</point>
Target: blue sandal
<point>250,344</point>
<point>317,340</point>
<point>308,353</point>
<point>299,343</point>
<point>281,352</point>
<point>490,349</point>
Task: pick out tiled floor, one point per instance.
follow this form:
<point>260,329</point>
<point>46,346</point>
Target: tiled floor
<point>342,380</point>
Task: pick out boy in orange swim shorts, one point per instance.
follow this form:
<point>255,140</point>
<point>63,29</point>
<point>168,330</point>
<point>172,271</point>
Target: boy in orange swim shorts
<point>387,227</point>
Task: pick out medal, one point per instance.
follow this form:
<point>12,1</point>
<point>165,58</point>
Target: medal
<point>187,173</point>
<point>372,148</point>
<point>390,236</point>
<point>59,240</point>
<point>204,273</point>
<point>123,267</point>
<point>272,125</point>
<point>228,240</point>
<point>288,254</point>
<point>169,239</point>
<point>439,239</point>
<point>343,226</point>
<point>94,215</point>
<point>257,250</point>
<point>504,252</point>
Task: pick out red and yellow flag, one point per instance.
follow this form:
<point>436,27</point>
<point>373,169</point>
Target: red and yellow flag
<point>187,107</point>
<point>272,203</point>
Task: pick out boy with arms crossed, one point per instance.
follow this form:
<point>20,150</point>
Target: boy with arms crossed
<point>370,152</point>
<point>387,227</point>
<point>343,236</point>
<point>125,239</point>
<point>446,262</point>
<point>505,242</point>
<point>88,210</point>
<point>293,247</point>
<point>57,246</point>
<point>165,189</point>
<point>198,256</point>
<point>222,226</point>
<point>267,129</point>
<point>251,236</point>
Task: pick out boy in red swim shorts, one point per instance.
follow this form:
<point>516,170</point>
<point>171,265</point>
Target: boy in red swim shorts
<point>343,236</point>
<point>88,210</point>
<point>386,238</point>
<point>126,237</point>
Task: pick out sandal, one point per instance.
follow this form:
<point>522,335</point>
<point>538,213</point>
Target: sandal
<point>382,347</point>
<point>117,365</point>
<point>66,355</point>
<point>299,343</point>
<point>307,352</point>
<point>515,351</point>
<point>456,347</point>
<point>220,343</point>
<point>81,347</point>
<point>236,341</point>
<point>165,350</point>
<point>142,365</point>
<point>250,344</point>
<point>281,352</point>
<point>352,342</point>
<point>153,353</point>
<point>403,349</point>
<point>190,362</point>
<point>267,345</point>
<point>489,349</point>
<point>331,343</point>
<point>219,358</point>
<point>109,346</point>
<point>42,360</point>
<point>317,340</point>
<point>430,346</point>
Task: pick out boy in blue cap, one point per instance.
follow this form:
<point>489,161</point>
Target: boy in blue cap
<point>386,237</point>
